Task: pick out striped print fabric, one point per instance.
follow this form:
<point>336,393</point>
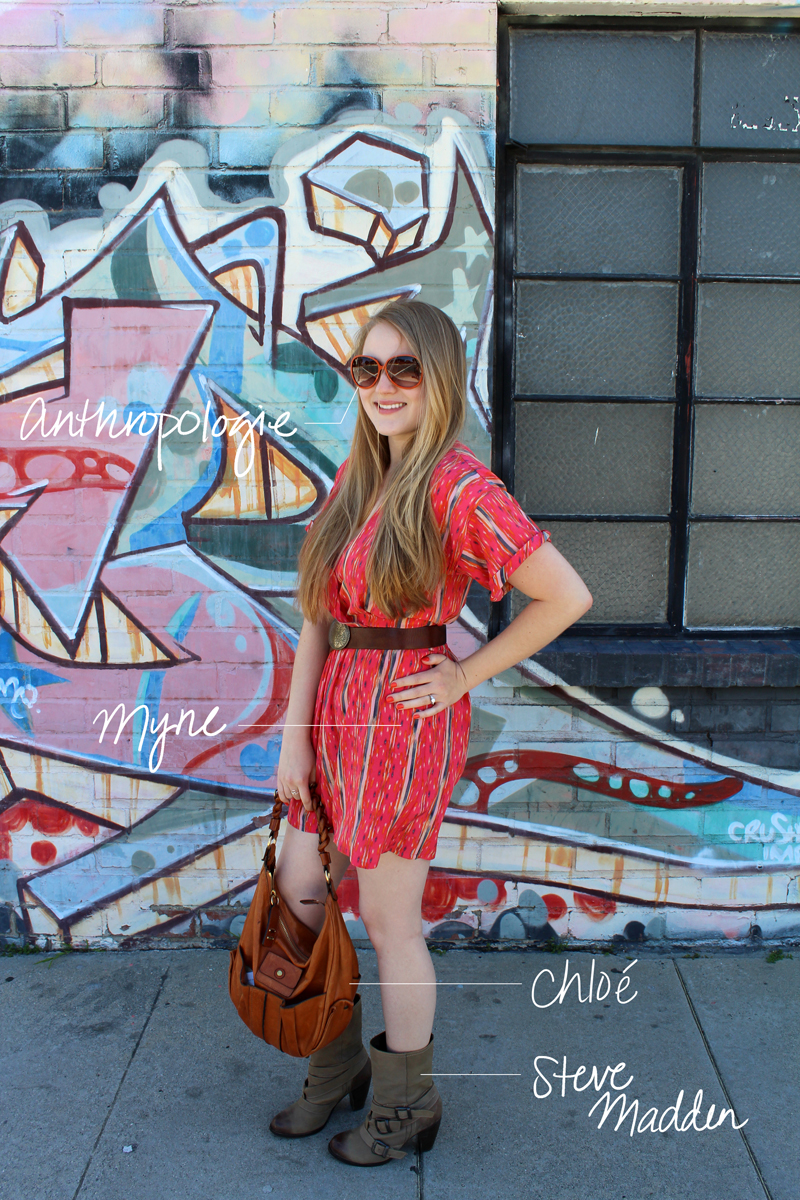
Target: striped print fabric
<point>386,776</point>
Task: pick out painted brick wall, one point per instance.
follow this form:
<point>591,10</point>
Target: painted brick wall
<point>198,205</point>
<point>90,90</point>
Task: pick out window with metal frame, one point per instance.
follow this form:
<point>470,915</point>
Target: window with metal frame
<point>648,314</point>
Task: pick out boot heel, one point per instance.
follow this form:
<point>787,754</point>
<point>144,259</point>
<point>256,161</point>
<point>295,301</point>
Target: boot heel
<point>427,1137</point>
<point>358,1096</point>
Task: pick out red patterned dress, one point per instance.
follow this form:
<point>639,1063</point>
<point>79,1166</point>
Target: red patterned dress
<point>386,776</point>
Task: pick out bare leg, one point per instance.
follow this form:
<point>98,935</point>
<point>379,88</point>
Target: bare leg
<point>300,876</point>
<point>390,900</point>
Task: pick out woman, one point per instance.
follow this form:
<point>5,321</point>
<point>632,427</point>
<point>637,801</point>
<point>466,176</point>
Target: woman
<point>382,724</point>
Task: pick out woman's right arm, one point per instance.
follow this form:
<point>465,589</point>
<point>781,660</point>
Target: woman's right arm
<point>296,763</point>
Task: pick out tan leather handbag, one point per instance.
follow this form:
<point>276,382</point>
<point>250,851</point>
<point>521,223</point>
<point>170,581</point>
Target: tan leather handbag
<point>292,987</point>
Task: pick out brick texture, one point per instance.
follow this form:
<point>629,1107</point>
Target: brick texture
<point>27,26</point>
<point>107,108</point>
<point>113,25</point>
<point>176,69</point>
<point>79,151</point>
<point>326,26</point>
<point>31,110</point>
<point>260,68</point>
<point>465,67</point>
<point>41,68</point>
<point>252,26</point>
<point>456,24</point>
<point>309,106</point>
<point>388,66</point>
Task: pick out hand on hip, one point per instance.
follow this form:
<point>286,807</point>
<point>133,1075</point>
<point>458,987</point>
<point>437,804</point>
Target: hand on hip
<point>430,691</point>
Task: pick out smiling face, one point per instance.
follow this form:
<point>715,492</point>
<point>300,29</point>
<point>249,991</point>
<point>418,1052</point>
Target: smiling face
<point>395,412</point>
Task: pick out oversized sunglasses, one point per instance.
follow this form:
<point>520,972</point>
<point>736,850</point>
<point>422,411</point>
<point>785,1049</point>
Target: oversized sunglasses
<point>404,370</point>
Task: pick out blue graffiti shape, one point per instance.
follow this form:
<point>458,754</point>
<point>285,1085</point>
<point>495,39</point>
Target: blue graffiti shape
<point>258,762</point>
<point>19,684</point>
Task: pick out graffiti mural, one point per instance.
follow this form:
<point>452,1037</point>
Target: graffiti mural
<point>173,409</point>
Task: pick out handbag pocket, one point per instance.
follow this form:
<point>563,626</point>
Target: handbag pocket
<point>312,1023</point>
<point>276,974</point>
<point>250,1002</point>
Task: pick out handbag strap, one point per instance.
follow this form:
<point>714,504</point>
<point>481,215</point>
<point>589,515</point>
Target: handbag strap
<point>324,832</point>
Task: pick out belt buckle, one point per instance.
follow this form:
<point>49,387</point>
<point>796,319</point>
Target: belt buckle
<point>338,635</point>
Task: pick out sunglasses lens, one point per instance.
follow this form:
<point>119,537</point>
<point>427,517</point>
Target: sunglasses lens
<point>404,371</point>
<point>365,371</point>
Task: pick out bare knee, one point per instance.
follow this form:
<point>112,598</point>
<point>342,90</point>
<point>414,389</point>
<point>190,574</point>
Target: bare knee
<point>389,932</point>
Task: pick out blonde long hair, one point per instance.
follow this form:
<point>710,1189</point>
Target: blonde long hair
<point>406,563</point>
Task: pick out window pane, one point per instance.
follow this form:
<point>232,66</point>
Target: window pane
<point>748,90</point>
<point>748,340</point>
<point>624,566</point>
<point>614,220</point>
<point>745,460</point>
<point>582,338</point>
<point>613,459</point>
<point>749,219</point>
<point>743,574</point>
<point>599,88</point>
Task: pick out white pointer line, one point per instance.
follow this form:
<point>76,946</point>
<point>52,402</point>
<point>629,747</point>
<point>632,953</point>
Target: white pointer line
<point>346,411</point>
<point>436,983</point>
<point>449,1074</point>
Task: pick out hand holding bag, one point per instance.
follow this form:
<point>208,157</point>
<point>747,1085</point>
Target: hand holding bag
<point>301,986</point>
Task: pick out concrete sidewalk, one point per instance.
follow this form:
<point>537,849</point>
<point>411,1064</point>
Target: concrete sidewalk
<point>102,1051</point>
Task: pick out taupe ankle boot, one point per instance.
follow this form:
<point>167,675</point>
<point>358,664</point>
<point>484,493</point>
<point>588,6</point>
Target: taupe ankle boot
<point>405,1105</point>
<point>337,1069</point>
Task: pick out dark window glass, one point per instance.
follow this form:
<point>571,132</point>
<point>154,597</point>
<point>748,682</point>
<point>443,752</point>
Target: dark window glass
<point>624,564</point>
<point>581,338</point>
<point>598,220</point>
<point>745,460</point>
<point>575,459</point>
<point>749,93</point>
<point>601,88</point>
<point>743,575</point>
<point>749,219</point>
<point>649,333</point>
<point>748,340</point>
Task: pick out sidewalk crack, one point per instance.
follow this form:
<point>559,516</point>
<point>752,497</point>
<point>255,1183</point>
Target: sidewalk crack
<point>721,1081</point>
<point>121,1082</point>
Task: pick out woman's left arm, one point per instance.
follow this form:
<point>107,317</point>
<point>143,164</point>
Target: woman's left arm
<point>558,597</point>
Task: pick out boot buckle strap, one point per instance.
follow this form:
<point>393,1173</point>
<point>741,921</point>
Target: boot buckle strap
<point>395,1124</point>
<point>390,1116</point>
<point>383,1150</point>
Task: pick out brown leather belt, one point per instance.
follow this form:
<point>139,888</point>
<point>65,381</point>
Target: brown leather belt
<point>371,637</point>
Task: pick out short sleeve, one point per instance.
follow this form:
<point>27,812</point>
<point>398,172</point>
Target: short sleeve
<point>496,536</point>
<point>334,488</point>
